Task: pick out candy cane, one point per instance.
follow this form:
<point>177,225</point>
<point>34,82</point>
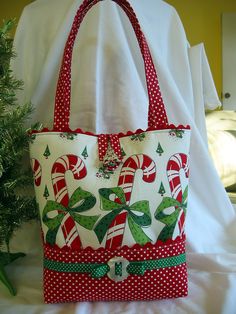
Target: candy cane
<point>37,171</point>
<point>126,179</point>
<point>175,164</point>
<point>61,166</point>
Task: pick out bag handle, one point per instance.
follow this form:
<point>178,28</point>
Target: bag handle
<point>156,114</point>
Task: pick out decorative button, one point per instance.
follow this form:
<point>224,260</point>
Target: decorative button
<point>111,160</point>
<point>118,268</point>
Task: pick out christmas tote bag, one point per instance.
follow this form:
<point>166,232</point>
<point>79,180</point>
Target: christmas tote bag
<point>112,206</point>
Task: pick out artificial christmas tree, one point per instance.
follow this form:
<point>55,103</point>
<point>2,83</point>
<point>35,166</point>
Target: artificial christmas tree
<point>15,208</point>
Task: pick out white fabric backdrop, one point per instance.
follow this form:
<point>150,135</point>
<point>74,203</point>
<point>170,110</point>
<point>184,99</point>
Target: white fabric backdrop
<point>109,95</point>
<point>204,91</point>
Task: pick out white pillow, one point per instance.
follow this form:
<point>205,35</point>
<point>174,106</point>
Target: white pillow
<point>221,131</point>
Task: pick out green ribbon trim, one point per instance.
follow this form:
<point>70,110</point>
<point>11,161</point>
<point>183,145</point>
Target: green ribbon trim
<point>170,220</point>
<point>99,270</point>
<point>139,215</point>
<point>79,202</point>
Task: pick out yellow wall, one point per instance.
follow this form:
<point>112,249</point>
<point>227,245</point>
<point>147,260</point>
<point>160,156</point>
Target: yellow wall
<point>12,8</point>
<point>201,19</point>
<point>202,23</point>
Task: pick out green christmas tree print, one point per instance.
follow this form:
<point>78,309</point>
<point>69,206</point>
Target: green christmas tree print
<point>47,152</point>
<point>123,152</point>
<point>85,153</point>
<point>162,190</point>
<point>159,150</point>
<point>46,193</point>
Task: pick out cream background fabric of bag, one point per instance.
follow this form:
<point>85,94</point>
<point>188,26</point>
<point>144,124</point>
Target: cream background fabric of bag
<point>107,79</point>
<point>141,190</point>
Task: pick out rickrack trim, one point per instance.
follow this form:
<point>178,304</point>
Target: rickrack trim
<point>119,134</point>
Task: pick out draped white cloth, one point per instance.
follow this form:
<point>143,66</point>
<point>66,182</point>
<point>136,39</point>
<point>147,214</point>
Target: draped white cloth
<point>109,95</point>
<point>204,91</point>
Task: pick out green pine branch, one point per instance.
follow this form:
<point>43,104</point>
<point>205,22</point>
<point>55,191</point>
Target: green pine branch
<point>16,182</point>
<point>8,84</point>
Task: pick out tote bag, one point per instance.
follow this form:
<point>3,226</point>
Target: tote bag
<point>112,206</point>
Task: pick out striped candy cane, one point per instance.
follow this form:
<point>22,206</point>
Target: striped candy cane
<point>175,164</point>
<point>37,171</point>
<point>61,166</point>
<point>126,179</point>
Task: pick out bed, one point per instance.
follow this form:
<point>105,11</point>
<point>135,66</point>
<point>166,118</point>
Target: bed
<point>211,219</point>
<point>221,131</point>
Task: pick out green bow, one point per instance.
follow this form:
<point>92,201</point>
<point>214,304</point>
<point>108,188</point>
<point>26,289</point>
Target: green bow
<point>135,221</point>
<point>79,202</point>
<point>170,220</point>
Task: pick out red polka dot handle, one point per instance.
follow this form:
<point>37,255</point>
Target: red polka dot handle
<point>156,114</point>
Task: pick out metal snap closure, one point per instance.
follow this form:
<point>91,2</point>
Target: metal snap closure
<point>118,268</point>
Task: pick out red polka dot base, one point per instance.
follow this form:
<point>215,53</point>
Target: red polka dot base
<point>163,283</point>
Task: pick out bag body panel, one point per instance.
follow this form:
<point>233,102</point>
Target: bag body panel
<point>48,148</point>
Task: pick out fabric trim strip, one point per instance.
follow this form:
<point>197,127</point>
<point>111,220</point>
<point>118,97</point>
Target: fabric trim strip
<point>98,270</point>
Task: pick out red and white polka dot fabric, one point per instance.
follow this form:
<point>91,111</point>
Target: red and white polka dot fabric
<point>156,117</point>
<point>103,141</point>
<point>170,282</point>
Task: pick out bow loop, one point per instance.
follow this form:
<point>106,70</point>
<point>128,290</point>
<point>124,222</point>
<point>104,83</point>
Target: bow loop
<point>170,220</point>
<point>53,207</point>
<point>100,270</point>
<point>138,214</point>
<point>107,203</point>
<point>54,213</point>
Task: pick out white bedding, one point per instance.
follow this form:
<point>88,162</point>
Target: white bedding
<point>115,72</point>
<point>221,131</point>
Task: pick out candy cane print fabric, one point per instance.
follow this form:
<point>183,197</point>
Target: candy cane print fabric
<point>136,180</point>
<point>126,180</point>
<point>112,206</point>
<point>37,171</point>
<point>61,166</point>
<point>178,199</point>
<point>175,164</point>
